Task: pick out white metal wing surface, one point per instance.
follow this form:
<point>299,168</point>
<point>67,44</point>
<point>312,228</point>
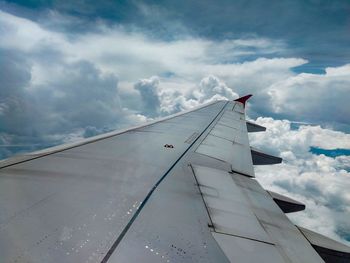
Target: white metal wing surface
<point>181,189</point>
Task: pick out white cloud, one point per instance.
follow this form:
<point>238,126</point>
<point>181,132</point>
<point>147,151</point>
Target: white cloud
<point>279,132</point>
<point>212,86</point>
<point>158,99</point>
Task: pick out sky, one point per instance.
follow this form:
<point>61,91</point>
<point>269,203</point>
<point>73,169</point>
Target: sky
<point>74,69</point>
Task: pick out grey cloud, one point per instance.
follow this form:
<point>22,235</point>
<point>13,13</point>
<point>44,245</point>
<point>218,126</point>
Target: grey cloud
<point>86,96</point>
<point>14,73</point>
<point>37,116</point>
<point>150,100</point>
<point>18,110</point>
<point>90,131</point>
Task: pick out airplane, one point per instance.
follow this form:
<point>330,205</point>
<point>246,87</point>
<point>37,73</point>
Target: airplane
<point>178,189</point>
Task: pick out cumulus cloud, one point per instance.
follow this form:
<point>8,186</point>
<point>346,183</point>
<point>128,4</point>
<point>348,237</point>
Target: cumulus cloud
<point>212,87</point>
<point>318,98</point>
<point>157,99</point>
<point>321,182</point>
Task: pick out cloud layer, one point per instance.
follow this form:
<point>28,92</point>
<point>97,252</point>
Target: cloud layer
<point>46,58</point>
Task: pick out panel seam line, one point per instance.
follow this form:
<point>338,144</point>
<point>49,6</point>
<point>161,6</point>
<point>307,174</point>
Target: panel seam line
<point>126,228</point>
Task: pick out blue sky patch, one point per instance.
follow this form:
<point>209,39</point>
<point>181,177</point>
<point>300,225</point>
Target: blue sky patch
<point>330,153</point>
<point>310,68</point>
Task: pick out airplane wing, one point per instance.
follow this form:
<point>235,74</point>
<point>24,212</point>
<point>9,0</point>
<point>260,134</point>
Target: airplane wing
<point>180,189</point>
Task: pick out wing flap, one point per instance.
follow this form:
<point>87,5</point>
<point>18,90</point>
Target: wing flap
<point>227,206</point>
<point>239,249</point>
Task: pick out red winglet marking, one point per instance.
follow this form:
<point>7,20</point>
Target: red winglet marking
<point>243,99</point>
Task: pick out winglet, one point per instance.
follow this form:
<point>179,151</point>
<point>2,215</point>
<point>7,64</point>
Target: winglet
<point>243,99</point>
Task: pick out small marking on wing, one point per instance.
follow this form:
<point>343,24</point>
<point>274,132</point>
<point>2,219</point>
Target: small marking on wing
<point>193,136</point>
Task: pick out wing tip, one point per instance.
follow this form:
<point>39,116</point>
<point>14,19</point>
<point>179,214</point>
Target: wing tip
<point>243,99</point>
